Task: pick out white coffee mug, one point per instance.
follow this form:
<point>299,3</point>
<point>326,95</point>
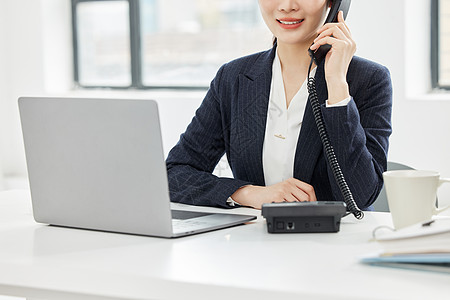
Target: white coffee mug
<point>411,195</point>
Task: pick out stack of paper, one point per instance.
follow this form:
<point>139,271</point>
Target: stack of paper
<point>421,246</point>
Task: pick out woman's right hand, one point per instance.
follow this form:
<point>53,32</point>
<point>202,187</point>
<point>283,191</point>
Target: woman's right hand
<point>290,190</point>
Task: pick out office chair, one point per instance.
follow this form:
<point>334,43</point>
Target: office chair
<point>381,204</point>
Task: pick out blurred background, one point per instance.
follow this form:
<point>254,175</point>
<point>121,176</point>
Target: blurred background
<point>169,50</point>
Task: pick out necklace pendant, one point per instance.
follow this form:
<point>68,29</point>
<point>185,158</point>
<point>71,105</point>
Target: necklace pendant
<point>280,136</point>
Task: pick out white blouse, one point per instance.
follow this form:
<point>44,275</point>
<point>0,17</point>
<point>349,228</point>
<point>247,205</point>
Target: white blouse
<point>283,127</point>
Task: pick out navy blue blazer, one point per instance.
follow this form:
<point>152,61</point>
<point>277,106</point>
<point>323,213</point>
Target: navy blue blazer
<point>232,120</point>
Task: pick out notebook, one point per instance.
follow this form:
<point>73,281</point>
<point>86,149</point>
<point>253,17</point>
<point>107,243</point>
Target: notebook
<point>423,246</point>
<point>99,164</point>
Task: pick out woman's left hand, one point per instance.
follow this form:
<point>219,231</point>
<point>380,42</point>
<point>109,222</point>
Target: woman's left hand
<point>343,47</point>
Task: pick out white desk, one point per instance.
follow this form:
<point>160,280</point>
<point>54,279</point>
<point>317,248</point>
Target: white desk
<point>244,262</point>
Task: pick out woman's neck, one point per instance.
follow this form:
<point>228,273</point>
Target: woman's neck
<point>294,61</point>
<point>294,55</point>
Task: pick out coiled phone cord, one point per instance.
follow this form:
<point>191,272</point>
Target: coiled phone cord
<point>352,207</point>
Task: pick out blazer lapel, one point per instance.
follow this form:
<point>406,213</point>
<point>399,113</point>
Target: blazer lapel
<point>309,145</point>
<point>253,100</point>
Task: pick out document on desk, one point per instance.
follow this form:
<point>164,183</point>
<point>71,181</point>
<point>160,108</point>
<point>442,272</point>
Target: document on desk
<point>424,246</point>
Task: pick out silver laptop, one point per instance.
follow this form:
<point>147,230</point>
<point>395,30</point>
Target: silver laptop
<point>99,164</point>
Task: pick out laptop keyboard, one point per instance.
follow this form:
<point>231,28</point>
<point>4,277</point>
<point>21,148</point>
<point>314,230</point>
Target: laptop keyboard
<point>187,220</point>
<point>184,215</point>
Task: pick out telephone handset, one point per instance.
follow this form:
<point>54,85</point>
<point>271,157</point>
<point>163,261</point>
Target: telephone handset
<point>319,216</point>
<point>337,5</point>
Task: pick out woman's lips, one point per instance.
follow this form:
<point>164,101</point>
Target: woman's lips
<point>290,23</point>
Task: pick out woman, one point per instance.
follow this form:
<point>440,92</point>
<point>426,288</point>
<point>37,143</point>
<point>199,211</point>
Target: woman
<point>257,112</point>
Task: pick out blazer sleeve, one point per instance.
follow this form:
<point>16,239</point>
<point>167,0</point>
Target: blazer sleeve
<point>359,134</point>
<point>192,160</point>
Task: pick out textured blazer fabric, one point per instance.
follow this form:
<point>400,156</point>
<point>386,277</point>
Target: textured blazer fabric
<point>232,120</point>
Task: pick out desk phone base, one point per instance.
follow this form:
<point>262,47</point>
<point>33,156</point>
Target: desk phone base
<point>303,217</point>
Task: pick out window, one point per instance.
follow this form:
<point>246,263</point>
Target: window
<point>162,43</point>
<point>103,37</point>
<point>440,44</point>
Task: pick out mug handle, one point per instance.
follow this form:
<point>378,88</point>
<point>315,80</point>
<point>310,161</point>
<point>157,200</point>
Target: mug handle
<point>439,210</point>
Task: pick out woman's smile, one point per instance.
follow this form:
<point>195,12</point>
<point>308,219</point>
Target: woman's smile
<point>290,23</point>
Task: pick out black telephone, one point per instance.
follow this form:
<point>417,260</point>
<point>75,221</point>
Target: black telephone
<point>322,216</point>
<point>319,54</point>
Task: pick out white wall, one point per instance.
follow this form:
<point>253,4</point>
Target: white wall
<point>35,58</point>
<point>22,54</point>
<point>3,96</point>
